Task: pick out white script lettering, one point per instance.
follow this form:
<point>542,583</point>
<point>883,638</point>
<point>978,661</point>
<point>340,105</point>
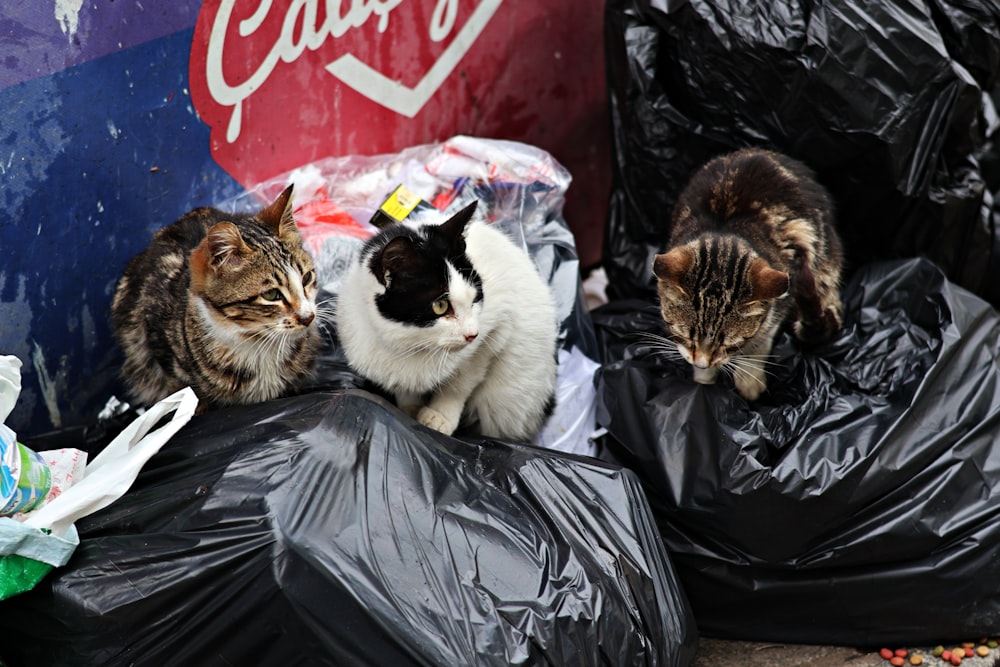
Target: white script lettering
<point>287,47</point>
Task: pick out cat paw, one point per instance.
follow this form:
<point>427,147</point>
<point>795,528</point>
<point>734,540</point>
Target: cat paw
<point>750,384</point>
<point>431,418</point>
<point>815,331</point>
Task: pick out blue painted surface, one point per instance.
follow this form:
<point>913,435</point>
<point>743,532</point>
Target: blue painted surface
<point>93,159</point>
<point>40,38</point>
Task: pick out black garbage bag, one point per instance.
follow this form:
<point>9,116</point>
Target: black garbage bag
<point>858,501</point>
<point>329,528</point>
<point>892,103</point>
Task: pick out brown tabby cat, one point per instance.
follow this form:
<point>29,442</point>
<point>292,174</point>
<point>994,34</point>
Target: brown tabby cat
<point>752,246</point>
<point>223,303</point>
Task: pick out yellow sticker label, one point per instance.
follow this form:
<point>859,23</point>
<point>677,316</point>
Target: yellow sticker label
<point>400,203</point>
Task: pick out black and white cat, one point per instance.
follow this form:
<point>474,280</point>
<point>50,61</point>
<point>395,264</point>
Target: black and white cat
<point>454,320</point>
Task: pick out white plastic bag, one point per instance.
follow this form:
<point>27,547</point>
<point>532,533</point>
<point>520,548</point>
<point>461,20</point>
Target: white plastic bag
<point>10,384</point>
<point>112,472</point>
<point>47,537</point>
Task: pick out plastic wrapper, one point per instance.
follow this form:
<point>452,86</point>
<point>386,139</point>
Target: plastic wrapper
<point>857,502</point>
<point>891,103</point>
<point>329,528</point>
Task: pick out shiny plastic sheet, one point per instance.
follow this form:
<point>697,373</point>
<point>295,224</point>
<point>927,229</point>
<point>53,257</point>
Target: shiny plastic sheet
<point>330,529</point>
<point>892,103</point>
<point>858,501</point>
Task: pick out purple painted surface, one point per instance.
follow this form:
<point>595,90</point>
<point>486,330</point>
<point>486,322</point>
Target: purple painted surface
<point>37,39</point>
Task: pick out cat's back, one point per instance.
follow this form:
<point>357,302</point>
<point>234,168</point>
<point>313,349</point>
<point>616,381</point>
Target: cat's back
<point>508,271</point>
<point>162,265</point>
<point>183,235</point>
<point>749,192</point>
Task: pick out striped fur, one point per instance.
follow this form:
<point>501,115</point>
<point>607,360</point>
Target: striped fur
<point>223,303</point>
<point>752,247</point>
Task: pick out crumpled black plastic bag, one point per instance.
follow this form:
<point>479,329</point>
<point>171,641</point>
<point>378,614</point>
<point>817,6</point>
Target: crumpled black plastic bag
<point>329,528</point>
<point>891,103</point>
<point>858,501</point>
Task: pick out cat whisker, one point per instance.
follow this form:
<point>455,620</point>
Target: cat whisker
<point>257,336</point>
<point>327,309</point>
<point>327,301</point>
<point>488,341</point>
<point>326,313</point>
<point>272,340</point>
<point>650,336</point>
<point>669,353</point>
<point>660,346</point>
<point>420,347</point>
<point>735,369</point>
<point>264,333</point>
<point>763,360</point>
<point>744,367</point>
<point>442,360</point>
<point>326,321</point>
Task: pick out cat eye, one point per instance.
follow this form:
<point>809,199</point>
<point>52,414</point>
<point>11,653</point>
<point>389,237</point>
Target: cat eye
<point>308,278</point>
<point>272,295</point>
<point>440,306</point>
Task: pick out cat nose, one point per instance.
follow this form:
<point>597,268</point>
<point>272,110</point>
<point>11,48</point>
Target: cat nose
<point>306,319</point>
<point>469,337</point>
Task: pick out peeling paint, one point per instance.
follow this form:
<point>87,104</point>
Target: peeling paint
<point>68,16</point>
<point>47,385</point>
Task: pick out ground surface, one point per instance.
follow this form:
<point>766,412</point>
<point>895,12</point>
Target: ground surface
<point>722,653</point>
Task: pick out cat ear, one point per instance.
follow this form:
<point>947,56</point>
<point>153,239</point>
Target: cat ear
<point>765,282</point>
<point>395,259</point>
<point>671,266</point>
<point>224,248</point>
<point>278,216</point>
<point>455,225</point>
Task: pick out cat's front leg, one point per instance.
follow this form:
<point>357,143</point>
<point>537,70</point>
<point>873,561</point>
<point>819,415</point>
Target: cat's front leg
<point>750,378</point>
<point>443,411</point>
<point>441,416</point>
<point>817,301</point>
<point>409,402</point>
<point>749,374</point>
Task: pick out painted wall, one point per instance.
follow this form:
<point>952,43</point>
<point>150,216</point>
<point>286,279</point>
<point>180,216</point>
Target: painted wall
<point>120,116</point>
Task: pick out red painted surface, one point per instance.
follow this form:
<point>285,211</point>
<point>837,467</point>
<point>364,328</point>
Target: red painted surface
<point>283,83</point>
